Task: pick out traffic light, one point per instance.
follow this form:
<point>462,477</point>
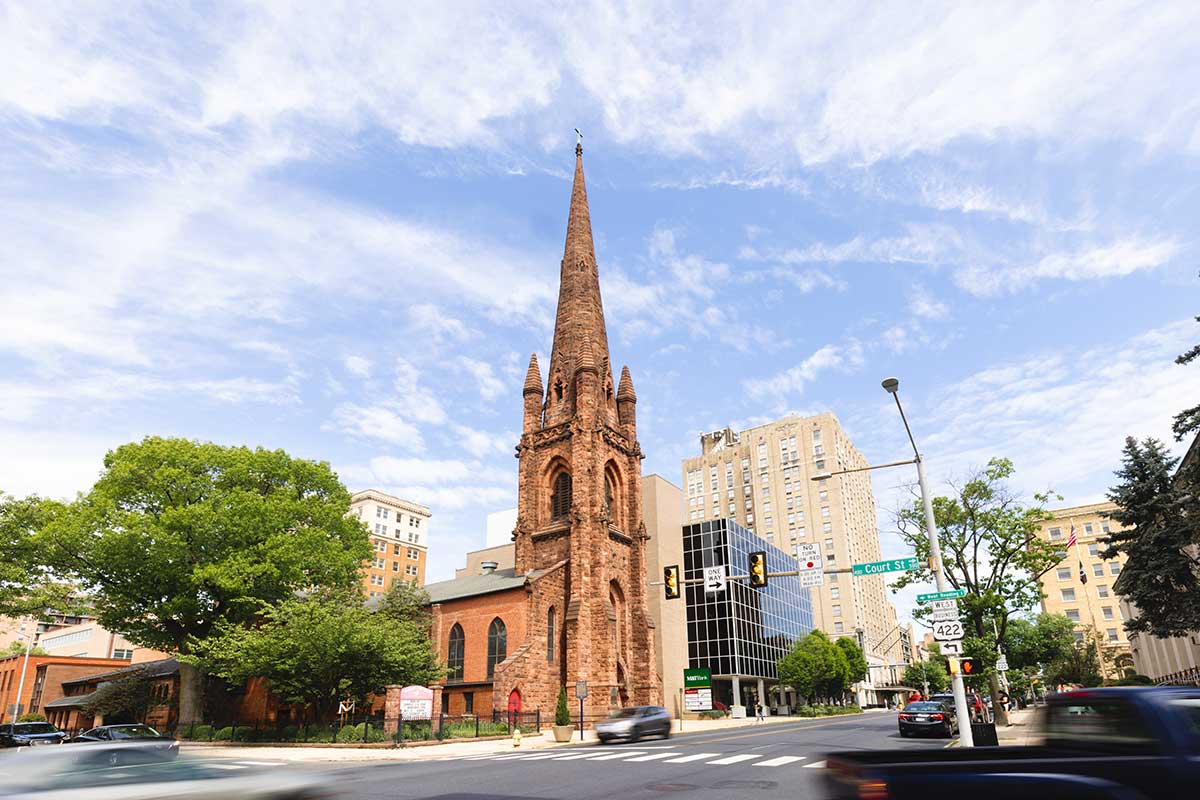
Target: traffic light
<point>969,666</point>
<point>952,665</point>
<point>758,569</point>
<point>671,581</point>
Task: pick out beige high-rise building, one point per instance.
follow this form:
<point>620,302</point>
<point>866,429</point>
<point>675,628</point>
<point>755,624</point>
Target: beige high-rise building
<point>762,477</point>
<point>662,509</point>
<point>1092,604</point>
<point>400,536</point>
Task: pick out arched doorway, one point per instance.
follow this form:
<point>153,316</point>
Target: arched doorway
<point>514,708</point>
<point>622,687</point>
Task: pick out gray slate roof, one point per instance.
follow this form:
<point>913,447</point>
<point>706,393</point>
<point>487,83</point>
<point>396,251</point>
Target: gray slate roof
<point>473,585</point>
<point>71,701</point>
<point>151,669</point>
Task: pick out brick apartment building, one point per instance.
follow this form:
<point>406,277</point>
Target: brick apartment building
<point>44,676</point>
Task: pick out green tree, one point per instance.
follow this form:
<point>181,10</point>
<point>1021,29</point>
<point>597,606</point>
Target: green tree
<point>562,714</point>
<point>815,667</point>
<point>990,548</point>
<point>178,539</point>
<point>856,662</point>
<point>407,602</point>
<point>1158,510</point>
<point>1045,639</point>
<point>1188,420</point>
<point>28,585</point>
<point>1079,665</point>
<point>131,695</point>
<point>320,649</point>
<point>17,648</point>
<point>931,674</point>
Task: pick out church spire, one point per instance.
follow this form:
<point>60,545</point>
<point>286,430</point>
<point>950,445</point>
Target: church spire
<point>580,311</point>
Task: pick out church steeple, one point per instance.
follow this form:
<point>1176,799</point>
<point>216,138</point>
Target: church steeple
<point>580,311</point>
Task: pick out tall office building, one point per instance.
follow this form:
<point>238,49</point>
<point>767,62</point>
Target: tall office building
<point>1087,599</point>
<point>762,478</point>
<point>400,535</point>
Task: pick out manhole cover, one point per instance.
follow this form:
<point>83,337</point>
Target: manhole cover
<point>745,785</point>
<point>671,787</point>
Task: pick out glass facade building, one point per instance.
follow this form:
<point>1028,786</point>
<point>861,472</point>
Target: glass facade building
<point>743,631</point>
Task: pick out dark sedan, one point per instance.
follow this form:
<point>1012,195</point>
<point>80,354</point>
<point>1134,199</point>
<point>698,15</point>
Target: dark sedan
<point>144,743</point>
<point>928,717</point>
<point>21,734</point>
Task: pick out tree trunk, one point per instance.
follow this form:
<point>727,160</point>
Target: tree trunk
<point>191,696</point>
<point>998,711</point>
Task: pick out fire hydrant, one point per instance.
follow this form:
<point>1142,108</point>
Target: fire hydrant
<point>516,737</point>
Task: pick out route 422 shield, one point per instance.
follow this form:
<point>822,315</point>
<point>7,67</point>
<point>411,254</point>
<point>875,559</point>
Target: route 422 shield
<point>948,631</point>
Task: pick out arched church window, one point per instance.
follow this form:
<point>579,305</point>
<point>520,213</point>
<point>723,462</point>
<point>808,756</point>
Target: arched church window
<point>608,492</point>
<point>454,657</point>
<point>497,645</point>
<point>550,634</point>
<point>560,498</point>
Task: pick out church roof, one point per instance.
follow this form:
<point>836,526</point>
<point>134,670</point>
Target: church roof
<point>473,585</point>
<point>580,312</point>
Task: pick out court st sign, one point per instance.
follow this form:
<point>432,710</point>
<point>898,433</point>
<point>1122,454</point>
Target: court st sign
<point>947,595</point>
<point>880,567</point>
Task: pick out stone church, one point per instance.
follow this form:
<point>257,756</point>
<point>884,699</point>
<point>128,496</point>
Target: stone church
<point>574,606</point>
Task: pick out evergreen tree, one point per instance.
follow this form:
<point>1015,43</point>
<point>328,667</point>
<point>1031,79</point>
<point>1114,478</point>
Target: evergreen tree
<point>1161,577</point>
<point>1188,420</point>
<point>562,714</point>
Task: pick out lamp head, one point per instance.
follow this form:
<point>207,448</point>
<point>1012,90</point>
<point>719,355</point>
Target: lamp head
<point>890,385</point>
<point>821,476</point>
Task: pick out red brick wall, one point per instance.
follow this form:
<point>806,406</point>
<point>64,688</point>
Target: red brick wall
<point>475,615</point>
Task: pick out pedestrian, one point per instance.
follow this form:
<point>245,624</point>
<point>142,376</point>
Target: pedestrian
<point>758,709</point>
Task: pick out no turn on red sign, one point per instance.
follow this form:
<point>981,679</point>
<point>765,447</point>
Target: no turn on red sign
<point>808,556</point>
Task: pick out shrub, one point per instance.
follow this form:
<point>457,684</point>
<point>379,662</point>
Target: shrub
<point>714,714</point>
<point>223,734</point>
<point>197,733</point>
<point>32,716</point>
<point>562,714</point>
<point>418,731</point>
<point>289,733</point>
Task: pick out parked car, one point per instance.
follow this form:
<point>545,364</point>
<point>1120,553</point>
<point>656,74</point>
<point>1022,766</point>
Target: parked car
<point>928,717</point>
<point>21,734</point>
<point>1139,742</point>
<point>632,724</point>
<point>133,743</point>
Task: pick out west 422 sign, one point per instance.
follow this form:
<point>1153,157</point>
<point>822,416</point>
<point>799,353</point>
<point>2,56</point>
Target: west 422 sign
<point>948,631</point>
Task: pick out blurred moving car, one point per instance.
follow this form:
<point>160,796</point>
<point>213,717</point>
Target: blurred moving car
<point>22,734</point>
<point>83,773</point>
<point>928,717</point>
<point>131,743</point>
<point>633,723</point>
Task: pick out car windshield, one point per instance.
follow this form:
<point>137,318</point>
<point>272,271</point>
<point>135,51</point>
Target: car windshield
<point>29,728</point>
<point>625,713</point>
<point>923,707</point>
<point>133,732</point>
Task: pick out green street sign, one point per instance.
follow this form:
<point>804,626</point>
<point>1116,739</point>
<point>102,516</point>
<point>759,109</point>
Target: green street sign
<point>891,565</point>
<point>950,595</point>
<point>697,678</point>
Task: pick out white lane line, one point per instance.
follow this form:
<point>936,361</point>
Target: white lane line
<point>262,763</point>
<point>779,762</point>
<point>692,757</point>
<point>651,757</point>
<point>577,755</point>
<point>624,754</point>
<point>543,756</point>
<point>226,766</point>
<point>736,759</point>
<point>814,765</point>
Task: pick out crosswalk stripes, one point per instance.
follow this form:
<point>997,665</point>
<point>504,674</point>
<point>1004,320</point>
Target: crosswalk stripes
<point>651,757</point>
<point>614,756</point>
<point>779,762</point>
<point>814,765</point>
<point>735,759</point>
<point>692,757</point>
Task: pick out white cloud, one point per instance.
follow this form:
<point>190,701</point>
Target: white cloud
<point>1122,257</point>
<point>793,380</point>
<point>490,386</point>
<point>923,304</point>
<point>484,443</point>
<point>380,422</point>
<point>357,365</point>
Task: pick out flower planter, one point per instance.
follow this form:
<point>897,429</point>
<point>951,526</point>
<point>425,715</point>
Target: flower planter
<point>563,733</point>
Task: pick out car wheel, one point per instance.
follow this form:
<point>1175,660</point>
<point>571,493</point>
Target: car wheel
<point>903,734</point>
<point>634,735</point>
<point>667,731</point>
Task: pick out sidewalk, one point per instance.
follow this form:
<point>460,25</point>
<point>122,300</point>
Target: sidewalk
<point>1022,731</point>
<point>459,749</point>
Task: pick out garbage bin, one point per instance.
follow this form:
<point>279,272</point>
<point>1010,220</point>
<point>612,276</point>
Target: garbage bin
<point>984,734</point>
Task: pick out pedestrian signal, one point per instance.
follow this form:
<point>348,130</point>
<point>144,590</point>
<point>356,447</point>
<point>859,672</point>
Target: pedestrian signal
<point>758,569</point>
<point>969,666</point>
<point>671,581</point>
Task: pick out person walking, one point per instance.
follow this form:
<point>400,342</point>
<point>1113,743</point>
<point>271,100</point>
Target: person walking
<point>758,710</point>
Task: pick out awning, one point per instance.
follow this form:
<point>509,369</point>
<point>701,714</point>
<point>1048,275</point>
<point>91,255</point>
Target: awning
<point>73,701</point>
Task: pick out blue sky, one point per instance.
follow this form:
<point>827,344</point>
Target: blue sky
<point>337,231</point>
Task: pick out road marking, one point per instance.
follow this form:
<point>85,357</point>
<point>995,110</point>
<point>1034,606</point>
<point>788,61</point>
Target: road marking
<point>736,759</point>
<point>542,756</point>
<point>814,765</point>
<point>651,757</point>
<point>226,766</point>
<point>779,762</point>
<point>789,726</point>
<point>574,756</point>
<point>612,756</point>
<point>262,763</point>
<point>692,757</point>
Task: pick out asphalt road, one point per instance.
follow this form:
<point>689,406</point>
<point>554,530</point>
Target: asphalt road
<point>769,761</point>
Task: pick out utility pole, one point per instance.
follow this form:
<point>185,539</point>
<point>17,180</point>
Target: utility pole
<point>24,666</point>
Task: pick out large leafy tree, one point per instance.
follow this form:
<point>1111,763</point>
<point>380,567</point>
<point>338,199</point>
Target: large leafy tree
<point>320,649</point>
<point>1160,514</point>
<point>28,585</point>
<point>928,673</point>
<point>816,668</point>
<point>1079,665</point>
<point>856,662</point>
<point>1041,641</point>
<point>178,539</point>
<point>990,548</point>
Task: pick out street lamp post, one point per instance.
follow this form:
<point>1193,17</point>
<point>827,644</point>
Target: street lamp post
<point>892,386</point>
<point>24,666</point>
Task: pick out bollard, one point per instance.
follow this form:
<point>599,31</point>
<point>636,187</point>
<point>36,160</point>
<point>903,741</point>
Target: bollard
<point>516,740</point>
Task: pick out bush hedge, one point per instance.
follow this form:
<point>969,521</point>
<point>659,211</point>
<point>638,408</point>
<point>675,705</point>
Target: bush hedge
<point>825,710</point>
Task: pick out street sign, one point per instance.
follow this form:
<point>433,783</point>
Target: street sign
<point>952,648</point>
<point>1002,664</point>
<point>808,556</point>
<point>580,689</point>
<point>880,567</point>
<point>812,577</point>
<point>947,595</point>
<point>697,690</point>
<point>416,702</point>
<point>714,579</point>
<point>950,631</point>
<point>942,605</point>
<point>944,615</point>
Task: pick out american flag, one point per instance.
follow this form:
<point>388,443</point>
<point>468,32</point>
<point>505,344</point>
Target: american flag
<point>1071,541</point>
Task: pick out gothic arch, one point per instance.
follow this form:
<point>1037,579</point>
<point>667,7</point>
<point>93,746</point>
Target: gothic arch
<point>614,494</point>
<point>455,651</point>
<point>558,481</point>
<point>616,598</point>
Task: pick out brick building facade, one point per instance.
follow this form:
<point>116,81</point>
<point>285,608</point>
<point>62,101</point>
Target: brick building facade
<point>580,541</point>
